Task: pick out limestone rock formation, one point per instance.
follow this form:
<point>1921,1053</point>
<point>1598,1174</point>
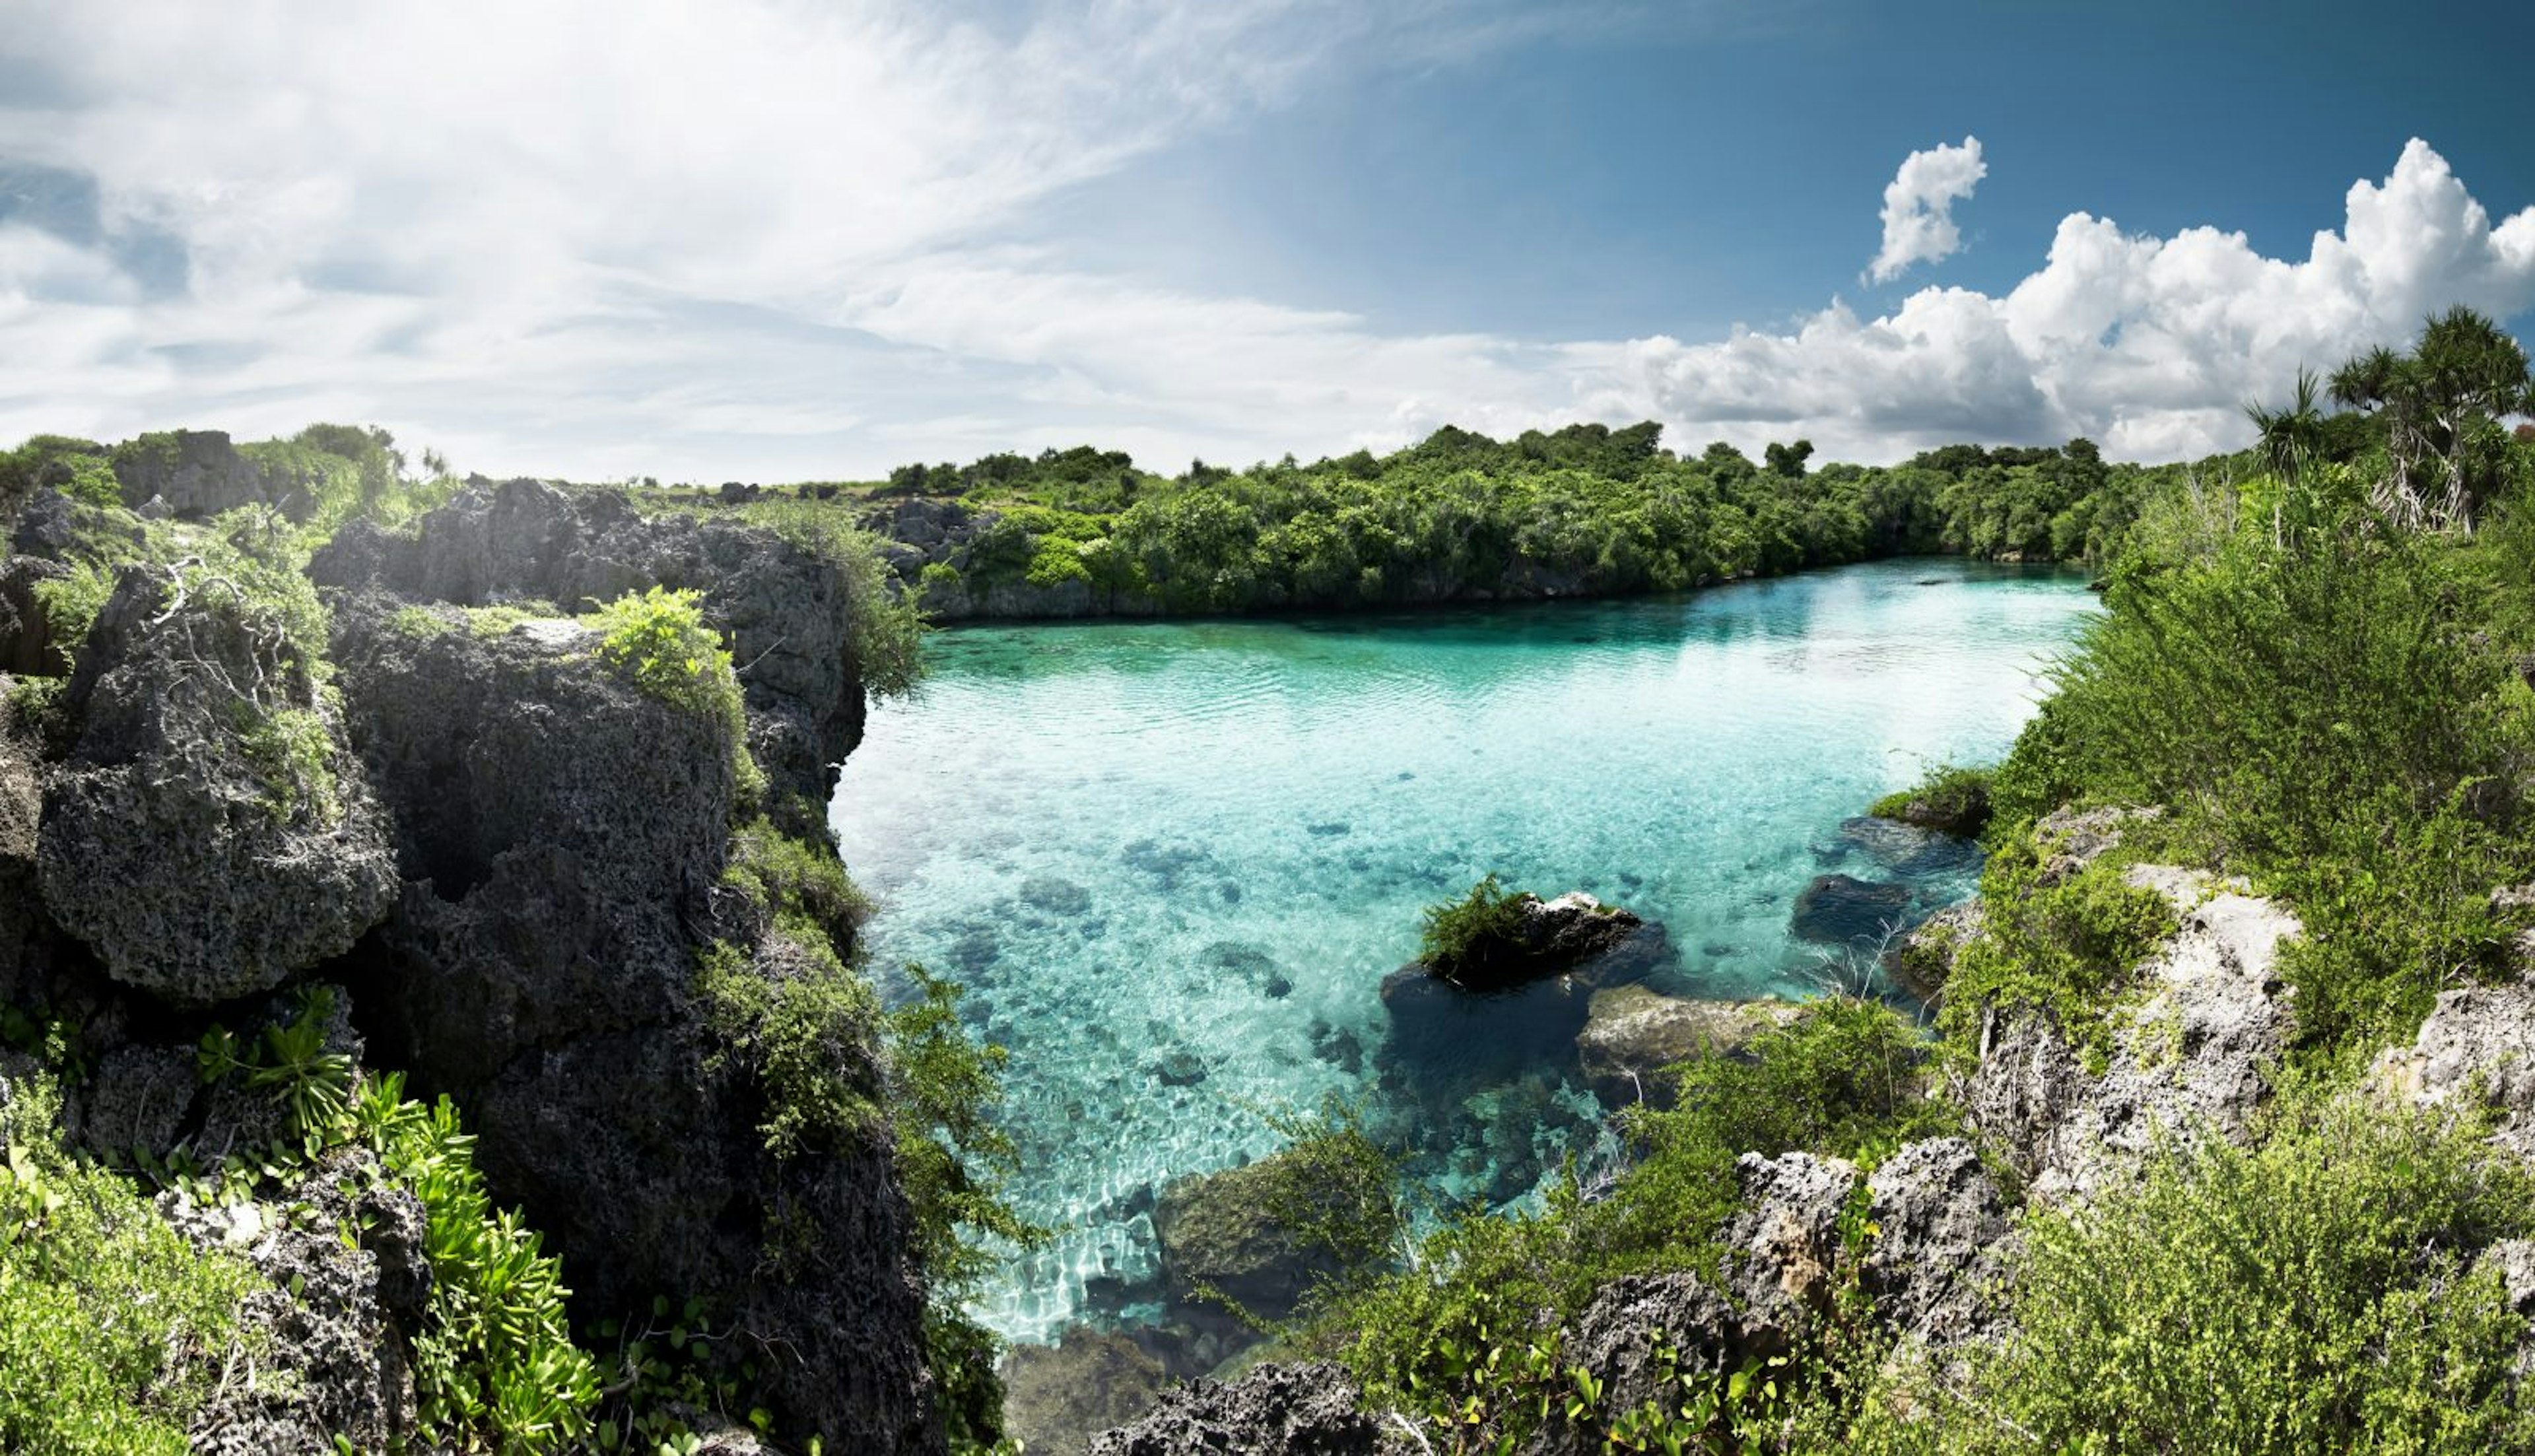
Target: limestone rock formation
<point>1783,1243</point>
<point>561,834</point>
<point>1937,1260</point>
<point>1277,1410</point>
<point>2478,1043</point>
<point>208,835</point>
<point>2188,1058</point>
<point>784,608</point>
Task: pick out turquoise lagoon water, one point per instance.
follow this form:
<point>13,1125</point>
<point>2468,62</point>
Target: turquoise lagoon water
<point>1172,862</point>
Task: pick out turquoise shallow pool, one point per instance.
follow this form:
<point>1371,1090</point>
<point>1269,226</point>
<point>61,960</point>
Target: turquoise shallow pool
<point>1172,862</point>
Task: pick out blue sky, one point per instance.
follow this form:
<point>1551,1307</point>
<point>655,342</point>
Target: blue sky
<point>767,239</point>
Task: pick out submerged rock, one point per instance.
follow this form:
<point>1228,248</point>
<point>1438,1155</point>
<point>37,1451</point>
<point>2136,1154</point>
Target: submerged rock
<point>1905,848</point>
<point>1218,1232</point>
<point>1843,910</point>
<point>1275,1410</point>
<point>1058,1397</point>
<point>1633,1036</point>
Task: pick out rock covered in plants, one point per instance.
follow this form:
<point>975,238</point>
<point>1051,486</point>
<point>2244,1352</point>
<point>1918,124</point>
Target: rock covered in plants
<point>1275,1410</point>
<point>27,637</point>
<point>784,608</point>
<point>199,473</point>
<point>562,833</point>
<point>1925,959</point>
<point>2190,1054</point>
<point>1641,1331</point>
<point>2077,837</point>
<point>1937,1260</point>
<point>208,835</point>
<point>1632,1035</point>
<point>1058,1397</point>
<point>1574,934</point>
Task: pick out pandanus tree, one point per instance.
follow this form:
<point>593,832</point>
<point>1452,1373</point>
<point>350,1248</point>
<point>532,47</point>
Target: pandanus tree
<point>2291,442</point>
<point>2440,404</point>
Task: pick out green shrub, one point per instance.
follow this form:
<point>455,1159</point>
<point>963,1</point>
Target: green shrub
<point>2071,948</point>
<point>1482,926</point>
<point>810,1042</point>
<point>494,1357</point>
<point>71,604</point>
<point>954,1162</point>
<point>2313,1295</point>
<point>657,641</point>
<point>113,1330</point>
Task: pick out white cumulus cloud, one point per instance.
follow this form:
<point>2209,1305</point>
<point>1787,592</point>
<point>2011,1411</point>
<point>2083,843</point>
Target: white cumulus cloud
<point>2147,344</point>
<point>1919,207</point>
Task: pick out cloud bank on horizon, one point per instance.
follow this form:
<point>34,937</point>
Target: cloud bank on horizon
<point>762,240</point>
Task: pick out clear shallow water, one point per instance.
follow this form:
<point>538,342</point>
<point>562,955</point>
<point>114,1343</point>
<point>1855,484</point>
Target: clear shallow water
<point>1172,862</point>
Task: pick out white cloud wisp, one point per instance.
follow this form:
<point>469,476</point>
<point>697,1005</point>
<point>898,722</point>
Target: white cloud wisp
<point>1919,208</point>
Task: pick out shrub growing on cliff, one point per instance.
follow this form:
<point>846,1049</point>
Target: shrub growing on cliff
<point>2322,713</point>
<point>113,1330</point>
<point>2317,1293</point>
<point>657,641</point>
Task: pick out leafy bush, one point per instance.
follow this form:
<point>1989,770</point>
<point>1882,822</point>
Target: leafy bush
<point>952,1162</point>
<point>113,1330</point>
<point>657,641</point>
<point>495,1355</point>
<point>1482,926</point>
<point>2321,714</point>
<point>809,1040</point>
<point>2313,1295</point>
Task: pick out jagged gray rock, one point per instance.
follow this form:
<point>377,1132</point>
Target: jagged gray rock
<point>2075,838</point>
<point>1619,1336</point>
<point>196,867</point>
<point>785,610</point>
<point>196,473</point>
<point>1275,1410</point>
<point>2477,1042</point>
<point>1939,1257</point>
<point>1783,1243</point>
<point>332,1360</point>
<point>562,836</point>
<point>2190,1054</point>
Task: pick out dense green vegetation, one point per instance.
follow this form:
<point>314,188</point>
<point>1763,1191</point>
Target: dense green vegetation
<point>1587,509</point>
<point>113,1330</point>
